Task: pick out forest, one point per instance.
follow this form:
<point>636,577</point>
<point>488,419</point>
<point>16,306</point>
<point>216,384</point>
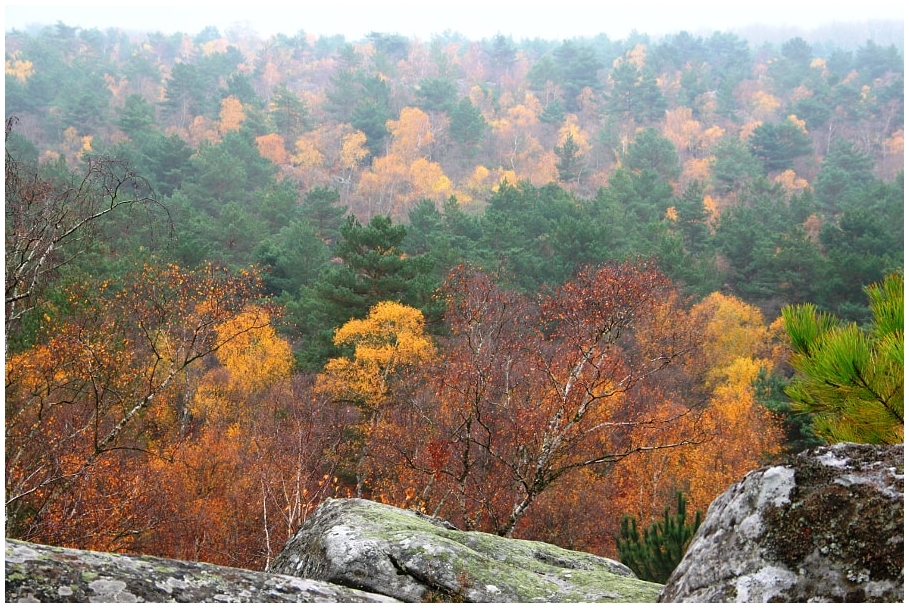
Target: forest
<point>528,286</point>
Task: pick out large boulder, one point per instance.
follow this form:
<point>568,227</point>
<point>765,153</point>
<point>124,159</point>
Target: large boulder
<point>415,558</point>
<point>827,525</point>
<point>37,573</point>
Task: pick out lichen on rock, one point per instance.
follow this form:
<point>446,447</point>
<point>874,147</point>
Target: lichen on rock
<point>39,573</point>
<point>383,549</point>
<point>827,525</point>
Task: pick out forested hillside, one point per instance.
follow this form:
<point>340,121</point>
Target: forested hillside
<point>528,286</point>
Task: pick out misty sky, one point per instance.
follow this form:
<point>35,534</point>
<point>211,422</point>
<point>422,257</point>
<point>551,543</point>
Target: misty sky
<point>476,19</point>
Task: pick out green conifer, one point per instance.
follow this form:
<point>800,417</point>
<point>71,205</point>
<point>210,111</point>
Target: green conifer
<point>654,556</point>
<point>851,378</point>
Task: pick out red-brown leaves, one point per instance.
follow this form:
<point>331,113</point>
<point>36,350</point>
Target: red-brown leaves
<point>524,392</point>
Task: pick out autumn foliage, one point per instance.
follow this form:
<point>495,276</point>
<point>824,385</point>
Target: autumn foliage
<point>153,414</point>
<point>591,385</point>
<point>441,231</point>
<point>740,433</point>
<point>163,415</point>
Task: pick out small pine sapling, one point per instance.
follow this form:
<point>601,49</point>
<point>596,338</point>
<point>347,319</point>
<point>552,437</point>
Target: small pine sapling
<point>654,556</point>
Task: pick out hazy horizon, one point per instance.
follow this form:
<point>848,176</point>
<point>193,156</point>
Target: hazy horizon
<point>472,18</point>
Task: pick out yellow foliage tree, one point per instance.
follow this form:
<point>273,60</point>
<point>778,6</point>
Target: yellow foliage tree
<point>734,329</point>
<point>711,136</point>
<point>748,128</point>
<point>271,146</point>
<point>504,176</point>
<point>116,86</point>
<point>20,69</point>
<point>798,122</point>
<point>231,116</point>
<point>383,183</point>
<point>800,92</point>
<point>307,154</point>
<point>517,145</point>
<point>390,337</point>
<point>696,169</point>
<point>353,150</point>
<point>637,55</point>
<point>588,102</point>
<point>482,99</point>
<point>740,432</point>
<point>429,181</point>
<point>411,134</point>
<point>256,360</point>
<point>764,105</point>
<point>893,147</point>
<point>256,357</point>
<point>478,179</point>
<point>571,127</point>
<point>219,45</point>
<point>524,116</point>
<point>202,129</point>
<point>791,182</point>
<point>712,208</point>
<point>895,144</point>
<point>270,75</point>
<point>682,130</point>
<point>738,345</point>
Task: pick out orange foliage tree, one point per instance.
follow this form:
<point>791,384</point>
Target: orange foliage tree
<point>740,433</point>
<point>272,147</point>
<point>252,459</point>
<point>231,115</point>
<point>102,388</point>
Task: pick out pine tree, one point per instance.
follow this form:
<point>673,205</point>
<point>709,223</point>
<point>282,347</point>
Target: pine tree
<point>654,556</point>
<point>553,113</point>
<point>372,268</point>
<point>321,209</point>
<point>850,378</point>
<point>467,124</point>
<point>568,159</point>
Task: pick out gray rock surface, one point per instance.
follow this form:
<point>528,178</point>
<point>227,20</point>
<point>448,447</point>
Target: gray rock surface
<point>827,525</point>
<point>37,573</point>
<point>411,557</point>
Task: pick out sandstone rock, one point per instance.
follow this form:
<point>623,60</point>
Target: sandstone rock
<point>411,557</point>
<point>825,526</point>
<point>39,573</point>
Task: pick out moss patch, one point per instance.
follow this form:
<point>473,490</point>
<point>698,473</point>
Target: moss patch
<point>428,560</point>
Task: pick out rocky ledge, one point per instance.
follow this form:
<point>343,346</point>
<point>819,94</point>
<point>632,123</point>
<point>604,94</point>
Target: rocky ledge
<point>37,573</point>
<point>415,558</point>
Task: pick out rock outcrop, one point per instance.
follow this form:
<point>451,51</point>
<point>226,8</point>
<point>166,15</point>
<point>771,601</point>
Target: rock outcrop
<point>415,558</point>
<point>827,525</point>
<point>37,573</point>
